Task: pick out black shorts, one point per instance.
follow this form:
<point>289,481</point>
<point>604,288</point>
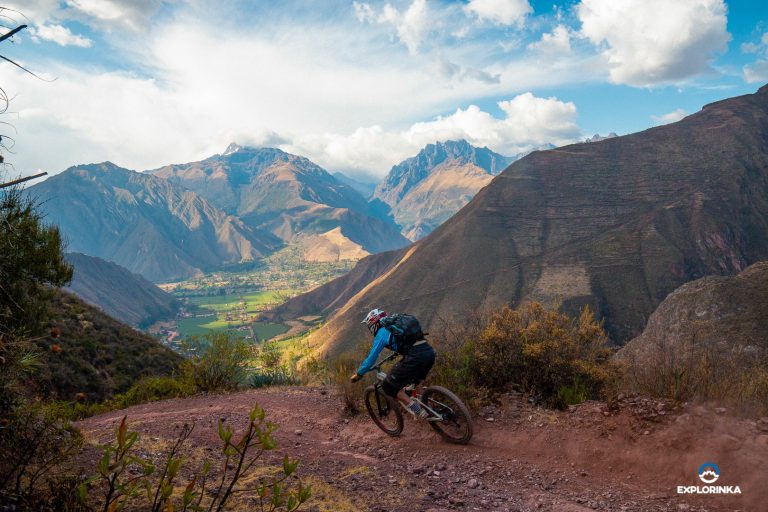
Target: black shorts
<point>411,369</point>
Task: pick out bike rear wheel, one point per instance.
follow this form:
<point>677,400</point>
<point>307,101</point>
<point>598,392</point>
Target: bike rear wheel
<point>456,425</point>
<point>384,411</point>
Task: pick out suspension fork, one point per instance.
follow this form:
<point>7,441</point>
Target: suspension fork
<point>378,389</point>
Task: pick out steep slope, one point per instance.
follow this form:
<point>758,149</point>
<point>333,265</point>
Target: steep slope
<point>617,224</point>
<point>285,194</point>
<point>424,191</point>
<point>96,355</point>
<point>331,246</point>
<point>145,224</point>
<point>720,321</point>
<point>126,296</point>
<point>714,310</point>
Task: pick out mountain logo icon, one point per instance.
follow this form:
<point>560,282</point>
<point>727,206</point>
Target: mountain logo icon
<point>709,473</point>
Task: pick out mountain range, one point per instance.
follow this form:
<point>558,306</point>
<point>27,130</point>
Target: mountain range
<point>182,220</point>
<point>146,224</point>
<point>285,194</point>
<point>616,224</point>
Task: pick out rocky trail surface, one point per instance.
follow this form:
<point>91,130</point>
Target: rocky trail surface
<point>629,455</point>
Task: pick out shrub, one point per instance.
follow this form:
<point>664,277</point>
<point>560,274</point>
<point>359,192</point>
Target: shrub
<point>274,377</point>
<point>454,341</point>
<point>218,362</point>
<point>152,389</point>
<point>268,355</point>
<point>148,389</point>
<point>125,478</point>
<point>32,443</point>
<point>342,368</point>
<point>544,352</point>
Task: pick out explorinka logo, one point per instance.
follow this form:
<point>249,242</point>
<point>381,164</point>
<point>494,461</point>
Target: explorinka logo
<point>708,474</point>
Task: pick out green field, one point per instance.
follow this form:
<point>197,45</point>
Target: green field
<point>231,312</point>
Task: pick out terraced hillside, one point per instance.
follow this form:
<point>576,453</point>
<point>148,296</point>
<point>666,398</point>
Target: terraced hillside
<point>617,224</point>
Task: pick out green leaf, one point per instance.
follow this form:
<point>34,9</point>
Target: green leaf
<point>289,466</point>
<point>121,430</point>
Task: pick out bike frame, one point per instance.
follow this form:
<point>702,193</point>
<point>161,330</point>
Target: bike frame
<point>380,376</point>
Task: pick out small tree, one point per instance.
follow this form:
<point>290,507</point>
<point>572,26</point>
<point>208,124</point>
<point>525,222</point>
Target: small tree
<point>31,261</point>
<point>218,362</point>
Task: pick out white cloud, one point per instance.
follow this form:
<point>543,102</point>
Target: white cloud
<point>335,88</point>
<point>364,12</point>
<point>452,70</point>
<point>653,42</point>
<point>553,44</point>
<point>106,15</point>
<point>749,48</point>
<point>110,14</point>
<point>504,12</point>
<point>670,117</point>
<point>60,35</point>
<point>411,26</point>
<point>756,72</point>
<point>528,122</point>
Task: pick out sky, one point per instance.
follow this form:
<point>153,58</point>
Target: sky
<point>358,86</point>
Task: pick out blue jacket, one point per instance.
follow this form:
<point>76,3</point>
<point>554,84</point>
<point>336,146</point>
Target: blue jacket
<point>383,339</point>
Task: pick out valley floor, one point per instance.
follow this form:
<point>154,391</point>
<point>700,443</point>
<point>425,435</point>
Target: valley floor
<point>629,457</point>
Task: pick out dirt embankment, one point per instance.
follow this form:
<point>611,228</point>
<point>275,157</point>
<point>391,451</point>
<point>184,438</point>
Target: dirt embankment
<point>627,457</point>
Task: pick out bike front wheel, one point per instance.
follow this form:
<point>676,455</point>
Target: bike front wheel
<point>456,423</point>
<point>384,411</point>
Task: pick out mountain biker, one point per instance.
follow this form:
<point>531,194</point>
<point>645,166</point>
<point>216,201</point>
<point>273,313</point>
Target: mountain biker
<point>412,368</point>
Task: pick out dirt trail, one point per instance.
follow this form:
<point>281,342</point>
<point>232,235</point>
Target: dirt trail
<point>629,458</point>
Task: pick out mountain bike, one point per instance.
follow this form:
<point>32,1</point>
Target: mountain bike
<point>448,415</point>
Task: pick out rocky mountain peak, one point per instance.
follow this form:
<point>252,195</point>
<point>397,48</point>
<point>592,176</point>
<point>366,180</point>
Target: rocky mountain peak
<point>597,137</point>
<point>404,176</point>
<point>232,148</point>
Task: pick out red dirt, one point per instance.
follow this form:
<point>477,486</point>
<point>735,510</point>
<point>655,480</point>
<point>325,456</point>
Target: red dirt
<point>629,458</point>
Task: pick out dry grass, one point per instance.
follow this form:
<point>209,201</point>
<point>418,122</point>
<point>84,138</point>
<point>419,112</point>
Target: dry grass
<point>734,376</point>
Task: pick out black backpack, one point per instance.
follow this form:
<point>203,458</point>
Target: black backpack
<point>406,330</point>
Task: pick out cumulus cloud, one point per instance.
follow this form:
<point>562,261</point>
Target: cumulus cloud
<point>60,35</point>
<point>503,12</point>
<point>450,70</point>
<point>653,42</point>
<point>670,117</point>
<point>758,70</point>
<point>528,122</point>
<point>110,14</point>
<point>335,91</point>
<point>411,26</point>
<point>553,44</point>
